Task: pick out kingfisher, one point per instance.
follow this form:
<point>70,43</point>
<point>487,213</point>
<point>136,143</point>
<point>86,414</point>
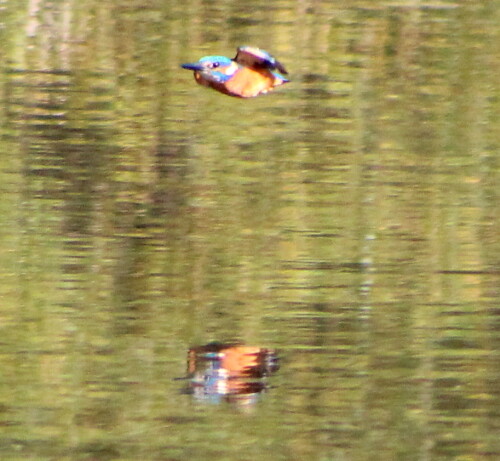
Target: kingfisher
<point>251,72</point>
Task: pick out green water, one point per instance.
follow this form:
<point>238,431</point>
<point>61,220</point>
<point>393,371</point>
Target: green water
<point>349,220</point>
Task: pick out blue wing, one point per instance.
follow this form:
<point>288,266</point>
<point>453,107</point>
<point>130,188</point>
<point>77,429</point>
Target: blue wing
<point>250,56</point>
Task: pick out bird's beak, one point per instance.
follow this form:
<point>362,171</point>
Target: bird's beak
<point>192,66</point>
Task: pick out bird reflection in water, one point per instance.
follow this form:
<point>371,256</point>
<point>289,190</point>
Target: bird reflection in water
<point>229,372</point>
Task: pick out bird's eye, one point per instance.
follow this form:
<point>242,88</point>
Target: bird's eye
<point>214,65</point>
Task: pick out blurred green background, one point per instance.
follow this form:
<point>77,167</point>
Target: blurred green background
<point>349,219</point>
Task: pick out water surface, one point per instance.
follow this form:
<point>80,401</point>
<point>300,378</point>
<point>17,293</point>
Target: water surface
<point>348,220</point>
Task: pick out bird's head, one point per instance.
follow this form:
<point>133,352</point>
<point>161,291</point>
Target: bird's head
<point>214,68</point>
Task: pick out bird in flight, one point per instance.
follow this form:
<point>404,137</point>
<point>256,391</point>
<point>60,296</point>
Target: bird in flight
<point>250,73</point>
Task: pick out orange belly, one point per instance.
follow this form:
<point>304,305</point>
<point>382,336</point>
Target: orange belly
<point>246,83</point>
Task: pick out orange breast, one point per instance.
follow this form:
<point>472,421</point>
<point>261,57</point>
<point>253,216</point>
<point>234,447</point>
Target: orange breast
<point>247,82</point>
<point>240,359</point>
